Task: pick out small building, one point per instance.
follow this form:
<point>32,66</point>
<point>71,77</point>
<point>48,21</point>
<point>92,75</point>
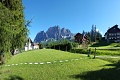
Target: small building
<point>36,45</point>
<point>30,45</point>
<point>113,34</point>
<point>78,38</point>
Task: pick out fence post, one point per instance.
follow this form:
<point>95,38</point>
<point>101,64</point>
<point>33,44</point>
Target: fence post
<point>59,47</point>
<point>94,54</point>
<point>75,49</point>
<point>89,52</point>
<point>66,48</point>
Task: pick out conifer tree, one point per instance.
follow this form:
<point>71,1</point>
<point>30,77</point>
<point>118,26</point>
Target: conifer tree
<point>13,29</point>
<point>5,32</point>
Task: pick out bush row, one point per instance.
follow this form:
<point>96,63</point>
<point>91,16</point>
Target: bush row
<point>63,47</point>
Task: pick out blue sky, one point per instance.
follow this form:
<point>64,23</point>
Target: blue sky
<point>76,15</point>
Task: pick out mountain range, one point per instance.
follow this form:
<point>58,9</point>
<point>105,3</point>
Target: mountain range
<point>53,33</point>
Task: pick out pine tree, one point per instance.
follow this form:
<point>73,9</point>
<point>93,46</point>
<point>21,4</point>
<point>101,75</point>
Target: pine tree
<point>89,36</point>
<point>83,33</point>
<point>14,32</point>
<point>92,34</point>
<point>5,32</point>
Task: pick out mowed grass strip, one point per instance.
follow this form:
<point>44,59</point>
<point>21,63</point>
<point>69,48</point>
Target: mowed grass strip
<point>57,71</point>
<point>43,55</point>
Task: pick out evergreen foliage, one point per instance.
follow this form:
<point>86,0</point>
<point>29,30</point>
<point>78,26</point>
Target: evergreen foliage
<point>13,31</point>
<point>62,44</point>
<point>94,35</point>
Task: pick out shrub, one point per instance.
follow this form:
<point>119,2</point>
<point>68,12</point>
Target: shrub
<point>63,47</point>
<point>82,51</point>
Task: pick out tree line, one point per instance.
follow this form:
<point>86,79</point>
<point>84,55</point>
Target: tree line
<point>62,44</point>
<point>94,35</point>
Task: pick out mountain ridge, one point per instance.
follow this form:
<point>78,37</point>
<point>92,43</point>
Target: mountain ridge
<point>54,32</point>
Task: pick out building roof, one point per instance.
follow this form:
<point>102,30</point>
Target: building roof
<point>29,40</point>
<point>113,29</point>
<point>78,34</point>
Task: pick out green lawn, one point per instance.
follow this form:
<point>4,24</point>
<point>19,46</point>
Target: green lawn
<point>105,45</point>
<point>48,64</point>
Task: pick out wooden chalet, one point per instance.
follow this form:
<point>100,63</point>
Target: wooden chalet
<point>113,34</point>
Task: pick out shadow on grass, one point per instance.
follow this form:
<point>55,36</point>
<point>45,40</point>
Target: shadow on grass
<point>103,74</point>
<point>14,77</point>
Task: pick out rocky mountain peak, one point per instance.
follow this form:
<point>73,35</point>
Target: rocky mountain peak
<point>53,32</point>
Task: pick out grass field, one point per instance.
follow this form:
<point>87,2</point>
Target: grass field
<point>105,45</point>
<point>48,64</point>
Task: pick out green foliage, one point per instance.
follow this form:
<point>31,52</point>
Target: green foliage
<point>74,45</point>
<point>41,45</point>
<point>7,56</point>
<point>81,51</point>
<point>93,35</point>
<point>64,45</point>
<point>5,33</point>
<point>13,31</point>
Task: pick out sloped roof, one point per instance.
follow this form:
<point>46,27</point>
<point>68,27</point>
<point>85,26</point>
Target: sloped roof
<point>30,40</point>
<point>78,34</point>
<point>113,29</point>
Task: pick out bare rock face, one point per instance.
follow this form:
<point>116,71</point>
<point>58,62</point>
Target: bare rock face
<point>41,36</point>
<point>66,32</point>
<point>53,33</point>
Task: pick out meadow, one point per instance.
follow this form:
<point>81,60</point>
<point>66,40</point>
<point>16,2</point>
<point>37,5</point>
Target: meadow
<point>50,64</point>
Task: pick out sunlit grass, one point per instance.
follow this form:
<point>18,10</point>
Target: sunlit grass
<point>55,71</point>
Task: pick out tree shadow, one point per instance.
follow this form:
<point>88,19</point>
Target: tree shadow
<point>14,77</point>
<point>103,74</point>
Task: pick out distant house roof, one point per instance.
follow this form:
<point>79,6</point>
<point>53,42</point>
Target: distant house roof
<point>78,37</point>
<point>113,29</point>
<point>29,40</point>
<point>78,34</point>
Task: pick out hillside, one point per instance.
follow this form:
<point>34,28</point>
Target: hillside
<point>47,64</point>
